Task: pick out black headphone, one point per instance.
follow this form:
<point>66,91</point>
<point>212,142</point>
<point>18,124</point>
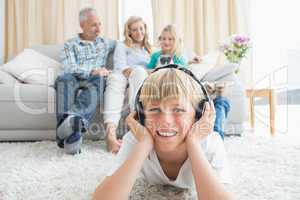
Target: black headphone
<point>139,106</point>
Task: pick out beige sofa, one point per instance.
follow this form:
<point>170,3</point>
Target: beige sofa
<point>28,110</point>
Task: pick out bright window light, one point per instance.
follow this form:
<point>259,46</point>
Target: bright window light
<point>275,30</point>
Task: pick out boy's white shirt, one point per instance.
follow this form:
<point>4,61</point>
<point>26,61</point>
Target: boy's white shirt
<point>212,146</point>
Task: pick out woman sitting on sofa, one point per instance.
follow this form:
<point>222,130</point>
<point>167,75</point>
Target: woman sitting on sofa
<point>130,60</point>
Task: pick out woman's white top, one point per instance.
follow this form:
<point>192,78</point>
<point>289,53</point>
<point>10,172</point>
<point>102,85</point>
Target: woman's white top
<point>129,57</point>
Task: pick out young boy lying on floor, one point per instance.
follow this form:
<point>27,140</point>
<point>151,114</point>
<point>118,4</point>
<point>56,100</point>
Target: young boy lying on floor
<point>171,140</point>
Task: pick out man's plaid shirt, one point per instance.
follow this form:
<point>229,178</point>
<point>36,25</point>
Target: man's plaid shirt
<point>80,57</point>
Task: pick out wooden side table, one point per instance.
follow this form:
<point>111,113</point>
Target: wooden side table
<point>269,93</point>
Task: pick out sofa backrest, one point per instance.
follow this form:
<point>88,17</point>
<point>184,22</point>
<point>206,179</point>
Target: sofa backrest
<point>53,51</point>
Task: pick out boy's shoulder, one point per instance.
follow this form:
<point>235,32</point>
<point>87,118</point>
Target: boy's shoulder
<point>213,141</point>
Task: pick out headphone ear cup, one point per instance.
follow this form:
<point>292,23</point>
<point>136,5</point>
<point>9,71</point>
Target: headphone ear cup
<point>199,109</point>
<point>140,113</point>
<point>140,117</point>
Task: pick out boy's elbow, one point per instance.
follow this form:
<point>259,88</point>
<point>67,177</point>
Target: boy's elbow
<point>106,191</point>
<point>104,195</point>
<point>229,196</point>
<point>102,191</point>
<point>98,193</point>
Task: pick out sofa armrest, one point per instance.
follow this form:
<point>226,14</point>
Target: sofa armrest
<point>218,72</point>
<point>6,78</point>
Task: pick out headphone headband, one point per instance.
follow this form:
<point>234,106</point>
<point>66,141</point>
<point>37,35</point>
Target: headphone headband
<point>139,106</point>
<point>190,73</point>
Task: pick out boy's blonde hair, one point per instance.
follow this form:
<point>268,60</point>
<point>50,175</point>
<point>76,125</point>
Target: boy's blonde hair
<point>177,39</point>
<point>128,40</point>
<point>168,84</point>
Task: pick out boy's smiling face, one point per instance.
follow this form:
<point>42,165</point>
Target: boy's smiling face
<point>169,122</point>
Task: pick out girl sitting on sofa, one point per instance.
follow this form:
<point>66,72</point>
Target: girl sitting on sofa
<point>169,141</point>
<point>170,52</point>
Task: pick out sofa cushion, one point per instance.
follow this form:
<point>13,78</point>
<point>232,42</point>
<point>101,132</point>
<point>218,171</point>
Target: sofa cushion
<point>209,58</point>
<point>200,69</point>
<point>25,106</point>
<point>219,72</point>
<point>34,68</point>
<point>208,61</point>
<point>26,93</point>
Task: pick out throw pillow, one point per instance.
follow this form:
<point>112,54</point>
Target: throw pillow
<point>207,63</point>
<point>34,68</point>
<point>219,72</point>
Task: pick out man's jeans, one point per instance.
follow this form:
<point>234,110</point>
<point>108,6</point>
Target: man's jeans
<point>222,108</point>
<point>79,97</point>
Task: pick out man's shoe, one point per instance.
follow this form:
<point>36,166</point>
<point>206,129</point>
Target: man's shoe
<point>72,144</point>
<point>67,127</point>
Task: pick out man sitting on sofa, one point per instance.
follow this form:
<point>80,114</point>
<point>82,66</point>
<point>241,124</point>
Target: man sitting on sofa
<point>79,88</point>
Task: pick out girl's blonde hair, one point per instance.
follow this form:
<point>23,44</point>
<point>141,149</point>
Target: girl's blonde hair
<point>128,39</point>
<point>177,40</point>
<point>168,84</point>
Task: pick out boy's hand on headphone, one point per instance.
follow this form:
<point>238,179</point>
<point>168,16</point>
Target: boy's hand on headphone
<point>140,132</point>
<point>204,126</point>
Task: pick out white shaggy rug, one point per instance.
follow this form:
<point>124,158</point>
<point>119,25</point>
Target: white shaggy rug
<point>263,167</point>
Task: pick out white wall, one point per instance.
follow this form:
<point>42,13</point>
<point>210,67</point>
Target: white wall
<point>2,14</point>
<point>293,68</point>
<point>274,30</point>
